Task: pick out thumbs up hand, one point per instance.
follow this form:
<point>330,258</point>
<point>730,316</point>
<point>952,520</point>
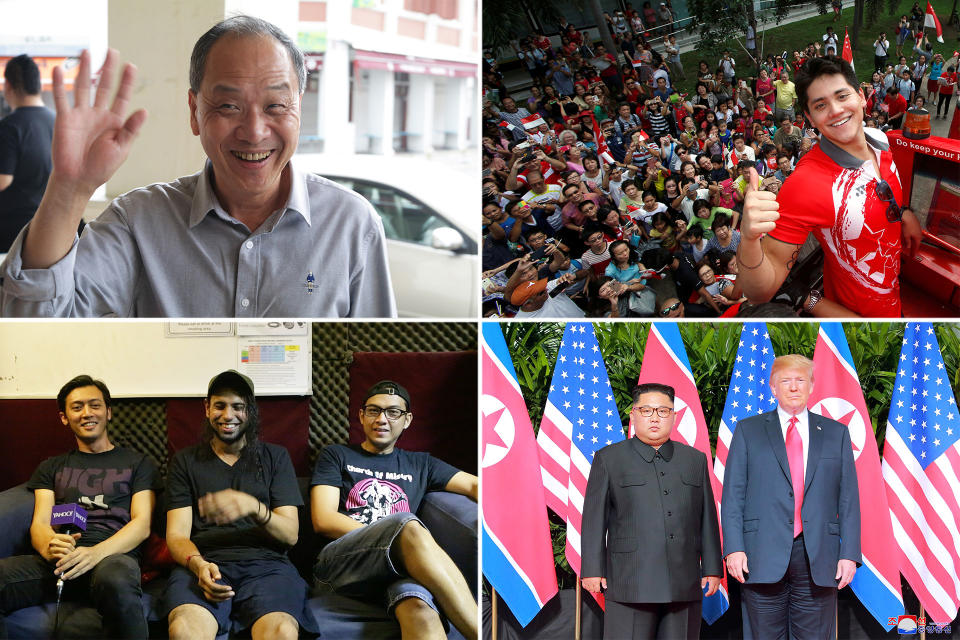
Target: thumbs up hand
<point>760,210</point>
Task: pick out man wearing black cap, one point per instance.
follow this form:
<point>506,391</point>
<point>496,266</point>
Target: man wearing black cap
<point>232,516</point>
<point>363,498</point>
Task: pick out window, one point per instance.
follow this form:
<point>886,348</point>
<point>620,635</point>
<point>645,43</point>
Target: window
<point>446,9</point>
<point>404,218</point>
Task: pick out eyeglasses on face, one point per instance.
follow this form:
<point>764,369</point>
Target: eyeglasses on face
<point>646,412</point>
<point>885,193</point>
<point>373,412</point>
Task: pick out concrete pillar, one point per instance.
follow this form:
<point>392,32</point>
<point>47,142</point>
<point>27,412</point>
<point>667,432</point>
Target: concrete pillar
<point>380,101</point>
<point>362,89</point>
<point>159,42</point>
<point>335,129</point>
<point>457,112</point>
<point>420,118</point>
<point>469,88</point>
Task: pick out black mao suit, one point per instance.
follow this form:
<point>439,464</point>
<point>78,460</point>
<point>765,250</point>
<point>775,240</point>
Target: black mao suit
<point>650,528</point>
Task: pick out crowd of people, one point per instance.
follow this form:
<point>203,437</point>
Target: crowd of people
<point>607,191</point>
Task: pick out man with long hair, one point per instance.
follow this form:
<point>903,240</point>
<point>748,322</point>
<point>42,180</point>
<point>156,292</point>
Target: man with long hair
<point>232,517</point>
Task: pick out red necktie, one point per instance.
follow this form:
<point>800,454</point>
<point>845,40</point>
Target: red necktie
<point>795,458</point>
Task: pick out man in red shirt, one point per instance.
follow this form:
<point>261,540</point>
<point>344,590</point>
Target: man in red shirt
<point>895,105</point>
<point>846,191</point>
<point>947,83</point>
<point>606,64</point>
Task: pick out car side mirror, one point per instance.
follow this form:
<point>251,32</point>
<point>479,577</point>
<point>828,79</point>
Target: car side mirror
<point>446,238</point>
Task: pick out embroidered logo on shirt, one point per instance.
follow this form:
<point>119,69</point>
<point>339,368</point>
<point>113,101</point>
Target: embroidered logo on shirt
<point>311,283</point>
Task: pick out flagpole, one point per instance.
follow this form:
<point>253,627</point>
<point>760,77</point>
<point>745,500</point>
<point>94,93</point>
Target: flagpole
<point>923,629</point>
<point>493,614</point>
<point>576,628</point>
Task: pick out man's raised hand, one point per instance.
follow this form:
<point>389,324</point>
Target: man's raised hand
<point>91,142</point>
<point>760,210</point>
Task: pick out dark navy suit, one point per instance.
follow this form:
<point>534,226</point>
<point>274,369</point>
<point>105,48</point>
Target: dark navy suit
<point>757,507</point>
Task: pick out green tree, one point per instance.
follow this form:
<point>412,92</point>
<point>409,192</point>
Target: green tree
<point>502,19</point>
<point>715,21</point>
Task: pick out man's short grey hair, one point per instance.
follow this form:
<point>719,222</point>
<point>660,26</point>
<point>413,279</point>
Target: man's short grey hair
<point>243,26</point>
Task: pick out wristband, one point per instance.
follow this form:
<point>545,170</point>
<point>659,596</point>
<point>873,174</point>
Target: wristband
<point>812,299</point>
<point>762,255</point>
<point>190,557</point>
<point>269,515</point>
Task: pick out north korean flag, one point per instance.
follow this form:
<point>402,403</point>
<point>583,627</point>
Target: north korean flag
<point>837,394</point>
<point>517,551</point>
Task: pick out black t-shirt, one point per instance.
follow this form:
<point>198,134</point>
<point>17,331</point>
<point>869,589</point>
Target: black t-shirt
<point>101,483</point>
<point>197,471</point>
<point>374,486</point>
<point>686,277</point>
<point>25,139</point>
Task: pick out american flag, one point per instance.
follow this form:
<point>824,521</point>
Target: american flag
<point>749,390</point>
<point>580,417</point>
<point>921,468</point>
<point>748,395</point>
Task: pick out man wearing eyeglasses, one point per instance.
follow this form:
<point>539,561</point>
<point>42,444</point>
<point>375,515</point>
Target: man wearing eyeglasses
<point>651,540</point>
<point>846,191</point>
<point>363,499</point>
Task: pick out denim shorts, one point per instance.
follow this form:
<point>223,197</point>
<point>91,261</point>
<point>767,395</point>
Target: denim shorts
<point>358,565</point>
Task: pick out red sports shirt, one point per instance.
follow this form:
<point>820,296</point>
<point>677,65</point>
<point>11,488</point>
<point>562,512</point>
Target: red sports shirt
<point>832,195</point>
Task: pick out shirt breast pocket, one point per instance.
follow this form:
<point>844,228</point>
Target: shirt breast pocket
<point>633,480</point>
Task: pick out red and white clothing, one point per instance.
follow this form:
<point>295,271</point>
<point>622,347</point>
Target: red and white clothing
<point>894,106</point>
<point>596,261</point>
<point>861,249</point>
<point>734,157</point>
<point>546,170</point>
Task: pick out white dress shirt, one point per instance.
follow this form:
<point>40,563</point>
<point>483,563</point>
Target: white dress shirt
<point>803,428</point>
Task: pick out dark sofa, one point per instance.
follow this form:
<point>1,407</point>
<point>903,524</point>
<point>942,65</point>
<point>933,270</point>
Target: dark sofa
<point>451,518</point>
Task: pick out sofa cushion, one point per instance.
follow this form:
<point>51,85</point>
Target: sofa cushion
<point>16,513</point>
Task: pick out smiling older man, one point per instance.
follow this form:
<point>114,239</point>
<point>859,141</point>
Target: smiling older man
<point>248,236</point>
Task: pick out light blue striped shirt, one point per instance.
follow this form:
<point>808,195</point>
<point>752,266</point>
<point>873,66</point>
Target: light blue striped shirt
<point>171,250</point>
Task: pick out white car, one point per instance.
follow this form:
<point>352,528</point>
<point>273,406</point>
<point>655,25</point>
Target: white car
<point>429,216</point>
